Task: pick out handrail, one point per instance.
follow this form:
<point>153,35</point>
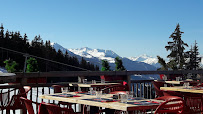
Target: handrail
<point>99,73</point>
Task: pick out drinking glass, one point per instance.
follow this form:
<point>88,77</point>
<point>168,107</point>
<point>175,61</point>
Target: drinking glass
<point>85,81</point>
<point>130,94</point>
<point>64,89</point>
<point>186,84</point>
<point>93,81</point>
<point>91,91</point>
<point>102,81</point>
<point>98,94</point>
<point>177,78</point>
<point>124,98</point>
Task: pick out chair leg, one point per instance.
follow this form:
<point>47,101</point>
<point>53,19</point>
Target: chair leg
<point>7,111</point>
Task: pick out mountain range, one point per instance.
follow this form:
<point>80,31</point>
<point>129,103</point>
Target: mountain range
<point>143,62</point>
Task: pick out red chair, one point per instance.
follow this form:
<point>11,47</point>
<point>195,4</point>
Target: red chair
<point>157,85</point>
<point>28,104</point>
<point>116,88</point>
<point>166,98</point>
<point>13,103</point>
<point>172,106</point>
<point>46,108</point>
<point>194,102</point>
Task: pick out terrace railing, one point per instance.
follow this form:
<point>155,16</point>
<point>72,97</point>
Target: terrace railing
<point>143,88</point>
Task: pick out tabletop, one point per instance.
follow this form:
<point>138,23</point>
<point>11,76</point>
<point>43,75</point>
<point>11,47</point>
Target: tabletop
<point>81,98</point>
<point>189,89</point>
<point>91,85</point>
<point>171,82</point>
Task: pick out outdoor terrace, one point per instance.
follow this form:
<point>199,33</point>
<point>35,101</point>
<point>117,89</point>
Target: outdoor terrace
<point>141,88</point>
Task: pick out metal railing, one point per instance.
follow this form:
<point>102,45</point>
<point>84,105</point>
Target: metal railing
<point>143,88</point>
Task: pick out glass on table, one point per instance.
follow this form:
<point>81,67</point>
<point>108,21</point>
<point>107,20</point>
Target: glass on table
<point>130,94</point>
<point>98,94</point>
<point>124,98</point>
<point>91,91</point>
<point>177,78</point>
<point>84,81</point>
<point>65,89</point>
<point>186,84</point>
<point>102,81</point>
<point>94,82</point>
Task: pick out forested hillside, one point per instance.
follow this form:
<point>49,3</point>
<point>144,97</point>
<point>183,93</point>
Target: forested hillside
<point>38,47</point>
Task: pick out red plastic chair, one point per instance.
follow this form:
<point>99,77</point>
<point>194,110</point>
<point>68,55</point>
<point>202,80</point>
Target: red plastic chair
<point>166,98</point>
<point>172,93</point>
<point>46,108</point>
<point>115,88</point>
<point>157,85</point>
<point>194,102</point>
<point>13,103</point>
<point>28,104</point>
<point>172,106</point>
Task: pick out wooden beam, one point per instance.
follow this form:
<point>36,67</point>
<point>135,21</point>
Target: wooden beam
<point>99,73</point>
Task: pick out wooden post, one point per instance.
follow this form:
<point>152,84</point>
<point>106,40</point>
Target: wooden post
<point>129,82</point>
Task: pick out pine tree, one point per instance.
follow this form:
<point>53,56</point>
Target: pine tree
<point>119,64</point>
<point>105,66</point>
<point>177,47</point>
<point>194,59</point>
<point>163,63</point>
<point>83,63</point>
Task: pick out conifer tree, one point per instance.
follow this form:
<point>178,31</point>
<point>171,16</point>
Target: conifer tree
<point>194,59</point>
<point>105,66</point>
<point>83,63</point>
<point>119,64</point>
<point>177,47</point>
<point>163,63</point>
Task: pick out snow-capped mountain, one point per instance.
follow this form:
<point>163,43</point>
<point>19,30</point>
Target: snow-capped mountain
<point>96,55</point>
<point>146,59</point>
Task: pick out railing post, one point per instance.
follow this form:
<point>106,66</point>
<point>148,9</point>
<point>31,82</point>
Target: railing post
<point>129,81</point>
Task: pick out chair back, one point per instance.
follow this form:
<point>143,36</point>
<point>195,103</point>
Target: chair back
<point>28,104</point>
<point>193,102</point>
<point>114,88</point>
<point>46,108</point>
<point>24,91</point>
<point>157,86</point>
<point>57,88</point>
<point>13,102</point>
<point>175,106</point>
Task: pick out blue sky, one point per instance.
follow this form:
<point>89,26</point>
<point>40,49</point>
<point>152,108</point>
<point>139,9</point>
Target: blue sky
<point>128,27</point>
